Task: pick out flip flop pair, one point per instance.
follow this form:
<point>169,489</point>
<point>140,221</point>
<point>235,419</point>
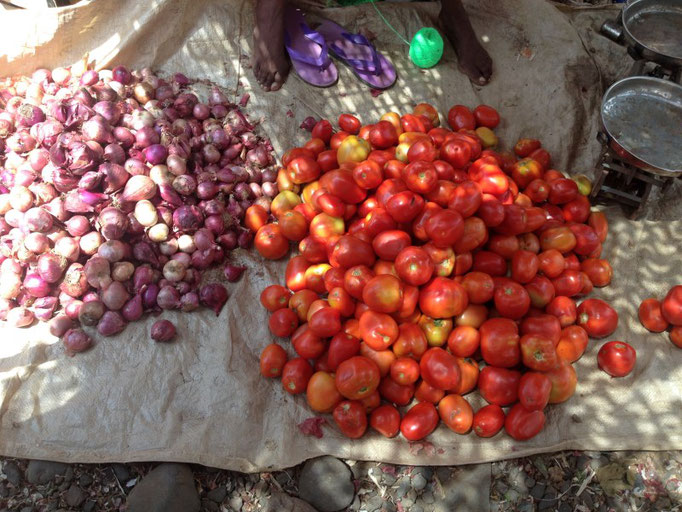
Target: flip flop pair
<point>310,53</point>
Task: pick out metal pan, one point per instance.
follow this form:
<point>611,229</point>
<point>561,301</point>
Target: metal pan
<point>652,29</point>
<point>642,117</point>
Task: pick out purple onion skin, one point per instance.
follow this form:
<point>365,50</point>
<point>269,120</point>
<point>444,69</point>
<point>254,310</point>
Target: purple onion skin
<point>133,309</point>
<point>233,272</point>
<point>163,331</point>
<point>213,296</point>
<point>76,340</point>
<point>111,323</point>
<point>59,325</point>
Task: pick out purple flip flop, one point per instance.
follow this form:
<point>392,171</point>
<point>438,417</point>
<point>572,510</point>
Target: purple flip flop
<point>359,54</point>
<point>308,51</point>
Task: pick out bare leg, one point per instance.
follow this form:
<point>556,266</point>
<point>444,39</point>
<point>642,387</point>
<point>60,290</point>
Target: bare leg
<point>473,59</point>
<point>270,64</point>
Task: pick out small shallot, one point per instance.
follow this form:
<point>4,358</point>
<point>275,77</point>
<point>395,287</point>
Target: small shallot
<point>76,340</point>
<point>111,323</point>
<point>163,331</point>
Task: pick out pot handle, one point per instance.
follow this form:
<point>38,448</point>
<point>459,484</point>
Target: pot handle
<point>613,30</point>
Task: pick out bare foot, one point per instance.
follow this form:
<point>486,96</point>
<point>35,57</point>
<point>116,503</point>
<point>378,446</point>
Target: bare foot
<point>270,64</point>
<point>473,59</point>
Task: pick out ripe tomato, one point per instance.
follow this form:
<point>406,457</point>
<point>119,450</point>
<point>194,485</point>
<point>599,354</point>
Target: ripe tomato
<point>442,298</point>
<point>405,370</point>
<point>572,343</point>
<point>552,263</point>
<point>321,392</point>
<point>676,336</point>
<point>473,316</point>
<point>467,198</point>
<point>522,424</point>
<point>538,191</point>
<point>419,421</point>
<point>489,263</point>
<point>488,420</point>
<point>504,245</point>
<point>300,302</point>
<point>547,326</point>
<point>586,240</point>
<point>414,266</point>
<point>313,249</point>
<point>357,377</point>
<point>322,130</point>
<point>456,413</point>
<point>295,375</point>
<point>341,300</point>
<point>597,318</point>
<point>443,259</point>
<point>444,227</point>
<point>651,316</point>
<point>398,394</point>
<point>294,225</point>
<point>526,171</point>
<point>349,123</point>
<point>568,284</point>
<point>404,206</point>
<point>577,210</point>
<point>327,160</point>
<point>564,309</point>
<point>303,169</point>
<point>671,306</point>
<point>325,322</point>
<point>388,244</point>
<point>340,182</point>
<point>325,226</point>
<point>534,389</point>
<point>541,291</point>
<point>350,251</point>
<point>563,380</point>
<point>486,116</point>
<point>525,147</point>
<point>306,344</point>
<point>562,239</point>
<point>383,293</point>
<point>538,352</point>
<point>275,297</point>
<point>479,287</point>
<point>351,418</point>
<point>425,109</point>
<point>272,360</point>
<point>460,117</point>
<point>617,358</point>
<point>379,330</point>
<point>468,369</point>
<point>456,152</point>
<point>383,135</point>
<point>355,279</point>
<point>368,174</point>
<point>512,300</point>
<point>420,176</point>
<point>270,242</point>
<point>598,222</point>
<point>439,369</point>
<point>464,341</point>
<point>255,217</point>
<point>342,346</point>
<point>475,234</point>
<point>436,330</point>
<point>385,419</point>
<point>499,386</point>
<point>500,342</point>
<point>411,342</point>
<point>283,322</point>
<point>524,266</point>
<point>422,150</point>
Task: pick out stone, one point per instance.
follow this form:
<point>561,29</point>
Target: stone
<point>85,480</point>
<point>530,482</point>
<point>75,496</point>
<point>406,503</point>
<point>282,502</point>
<point>565,507</point>
<point>209,506</point>
<point>388,506</point>
<point>121,472</point>
<point>425,471</point>
<point>169,487</point>
<point>68,475</point>
<point>418,481</point>
<point>417,508</point>
<point>12,472</point>
<point>538,491</point>
<point>235,503</point>
<point>40,472</point>
<point>64,486</point>
<point>388,479</point>
<point>467,489</point>
<point>587,500</point>
<point>512,496</point>
<point>526,506</point>
<point>325,483</point>
<point>27,509</point>
<point>443,473</point>
<point>546,505</point>
<point>373,503</point>
<point>218,494</point>
<point>4,491</point>
<point>428,498</point>
<point>89,506</point>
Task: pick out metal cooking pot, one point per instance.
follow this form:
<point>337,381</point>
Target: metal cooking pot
<point>642,118</point>
<point>651,29</point>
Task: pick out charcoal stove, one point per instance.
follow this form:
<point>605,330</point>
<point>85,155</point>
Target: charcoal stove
<point>641,115</point>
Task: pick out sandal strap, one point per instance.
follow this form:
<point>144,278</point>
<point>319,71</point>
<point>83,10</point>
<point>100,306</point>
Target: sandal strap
<point>322,61</point>
<point>373,66</point>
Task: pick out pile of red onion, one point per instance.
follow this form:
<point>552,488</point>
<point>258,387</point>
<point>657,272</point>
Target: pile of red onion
<point>117,189</point>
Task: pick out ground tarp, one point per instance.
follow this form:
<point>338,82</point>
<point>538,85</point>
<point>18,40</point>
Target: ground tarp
<point>201,399</point>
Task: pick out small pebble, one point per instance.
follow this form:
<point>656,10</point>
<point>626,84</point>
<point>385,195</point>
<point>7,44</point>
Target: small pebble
<point>235,503</point>
<point>428,498</point>
<point>418,481</point>
<point>85,480</point>
<point>12,472</point>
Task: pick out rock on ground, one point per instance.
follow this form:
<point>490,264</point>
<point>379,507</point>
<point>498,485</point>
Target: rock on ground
<point>42,471</point>
<point>167,488</point>
<point>282,502</point>
<point>325,482</point>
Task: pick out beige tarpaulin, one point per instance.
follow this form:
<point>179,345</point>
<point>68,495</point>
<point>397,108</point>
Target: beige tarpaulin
<point>201,399</point>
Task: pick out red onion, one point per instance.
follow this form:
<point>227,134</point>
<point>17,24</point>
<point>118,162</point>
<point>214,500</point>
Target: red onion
<point>111,324</point>
<point>98,272</point>
<point>73,308</point>
<point>174,271</point>
<point>168,194</point>
<point>245,239</point>
<point>145,137</point>
<point>114,296</point>
<point>142,277</point>
<point>113,250</point>
<point>112,223</point>
<point>75,282</point>
<point>28,115</point>
<point>21,198</point>
<point>51,267</point>
<point>132,310</point>
<point>90,180</point>
<point>114,153</point>
<point>20,317</point>
<point>168,298</point>
<point>91,312</point>
<point>138,188</point>
<point>163,331</point>
<point>108,111</point>
<point>121,75</point>
<point>183,257</point>
<point>187,219</point>
<point>67,248</point>
<point>14,218</point>
<point>59,325</point>
<point>150,295</point>
<point>90,242</point>
<point>207,190</point>
<point>90,77</point>
<point>122,271</point>
<point>142,251</point>
<point>202,259</point>
<point>204,239</point>
<point>83,201</point>
<point>213,296</point>
<point>155,154</point>
<point>78,225</point>
<point>115,176</point>
<point>189,301</point>
<point>124,136</point>
<point>35,285</point>
<point>75,341</point>
<point>228,240</point>
<point>43,308</point>
<point>5,306</point>
<point>233,272</point>
<point>97,129</point>
<point>185,184</point>
<point>37,243</point>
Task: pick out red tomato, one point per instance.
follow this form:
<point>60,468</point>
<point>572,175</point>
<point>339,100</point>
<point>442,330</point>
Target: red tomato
<point>255,217</point>
<point>598,222</point>
<point>466,199</point>
<point>303,169</point>
<point>439,369</point>
<point>572,343</point>
<point>398,394</point>
<point>270,242</point>
<point>355,279</point>
<point>489,263</point>
<point>468,369</point>
<point>568,284</point>
<point>547,326</point>
<point>322,130</point>
<point>512,300</point>
<point>475,235</point>
<point>522,424</point>
<point>534,389</point>
<point>552,263</point>
<point>525,147</point>
<point>460,117</point>
<point>445,228</point>
<point>456,413</point>
<point>405,206</point>
<point>422,150</point>
<point>275,297</point>
<point>379,330</point>
<point>383,293</point>
<point>577,210</point>
<point>562,239</point>
<point>541,156</point>
<point>420,176</point>
<point>383,135</point>
<point>676,336</point>
<point>342,346</point>
<point>651,316</point>
<point>385,419</point>
<point>337,139</point>
<point>564,309</point>
<point>524,266</point>
<point>541,291</point>
<point>351,418</point>
<point>412,123</point>
<point>599,271</point>
<point>340,182</point>
<point>418,226</point>
<point>294,225</point>
<point>563,380</point>
<point>321,392</point>
<point>295,375</point>
<point>327,160</point>
<point>671,306</point>
<point>586,240</point>
<point>617,358</point>
<point>479,287</point>
<point>272,360</point>
<point>313,249</point>
<point>368,174</point>
<point>597,318</point>
<point>538,191</point>
<point>411,341</point>
<point>500,342</point>
<point>464,341</point>
<point>488,420</point>
<point>419,421</point>
<point>442,298</point>
<point>300,302</point>
<point>350,251</point>
<point>562,190</point>
<point>414,266</point>
<point>538,352</point>
<point>504,245</point>
<point>486,116</point>
<point>491,211</point>
<point>388,244</point>
<point>325,322</point>
<point>357,377</point>
<point>445,171</point>
<point>405,370</point>
<point>456,152</point>
<point>333,278</point>
<point>425,392</point>
<point>283,322</point>
<point>525,171</point>
<point>499,386</point>
<point>349,123</point>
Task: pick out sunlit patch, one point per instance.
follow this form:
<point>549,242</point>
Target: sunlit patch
<point>485,38</point>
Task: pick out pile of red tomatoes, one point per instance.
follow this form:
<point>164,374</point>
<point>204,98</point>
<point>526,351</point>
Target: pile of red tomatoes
<point>430,265</point>
<point>657,316</point>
